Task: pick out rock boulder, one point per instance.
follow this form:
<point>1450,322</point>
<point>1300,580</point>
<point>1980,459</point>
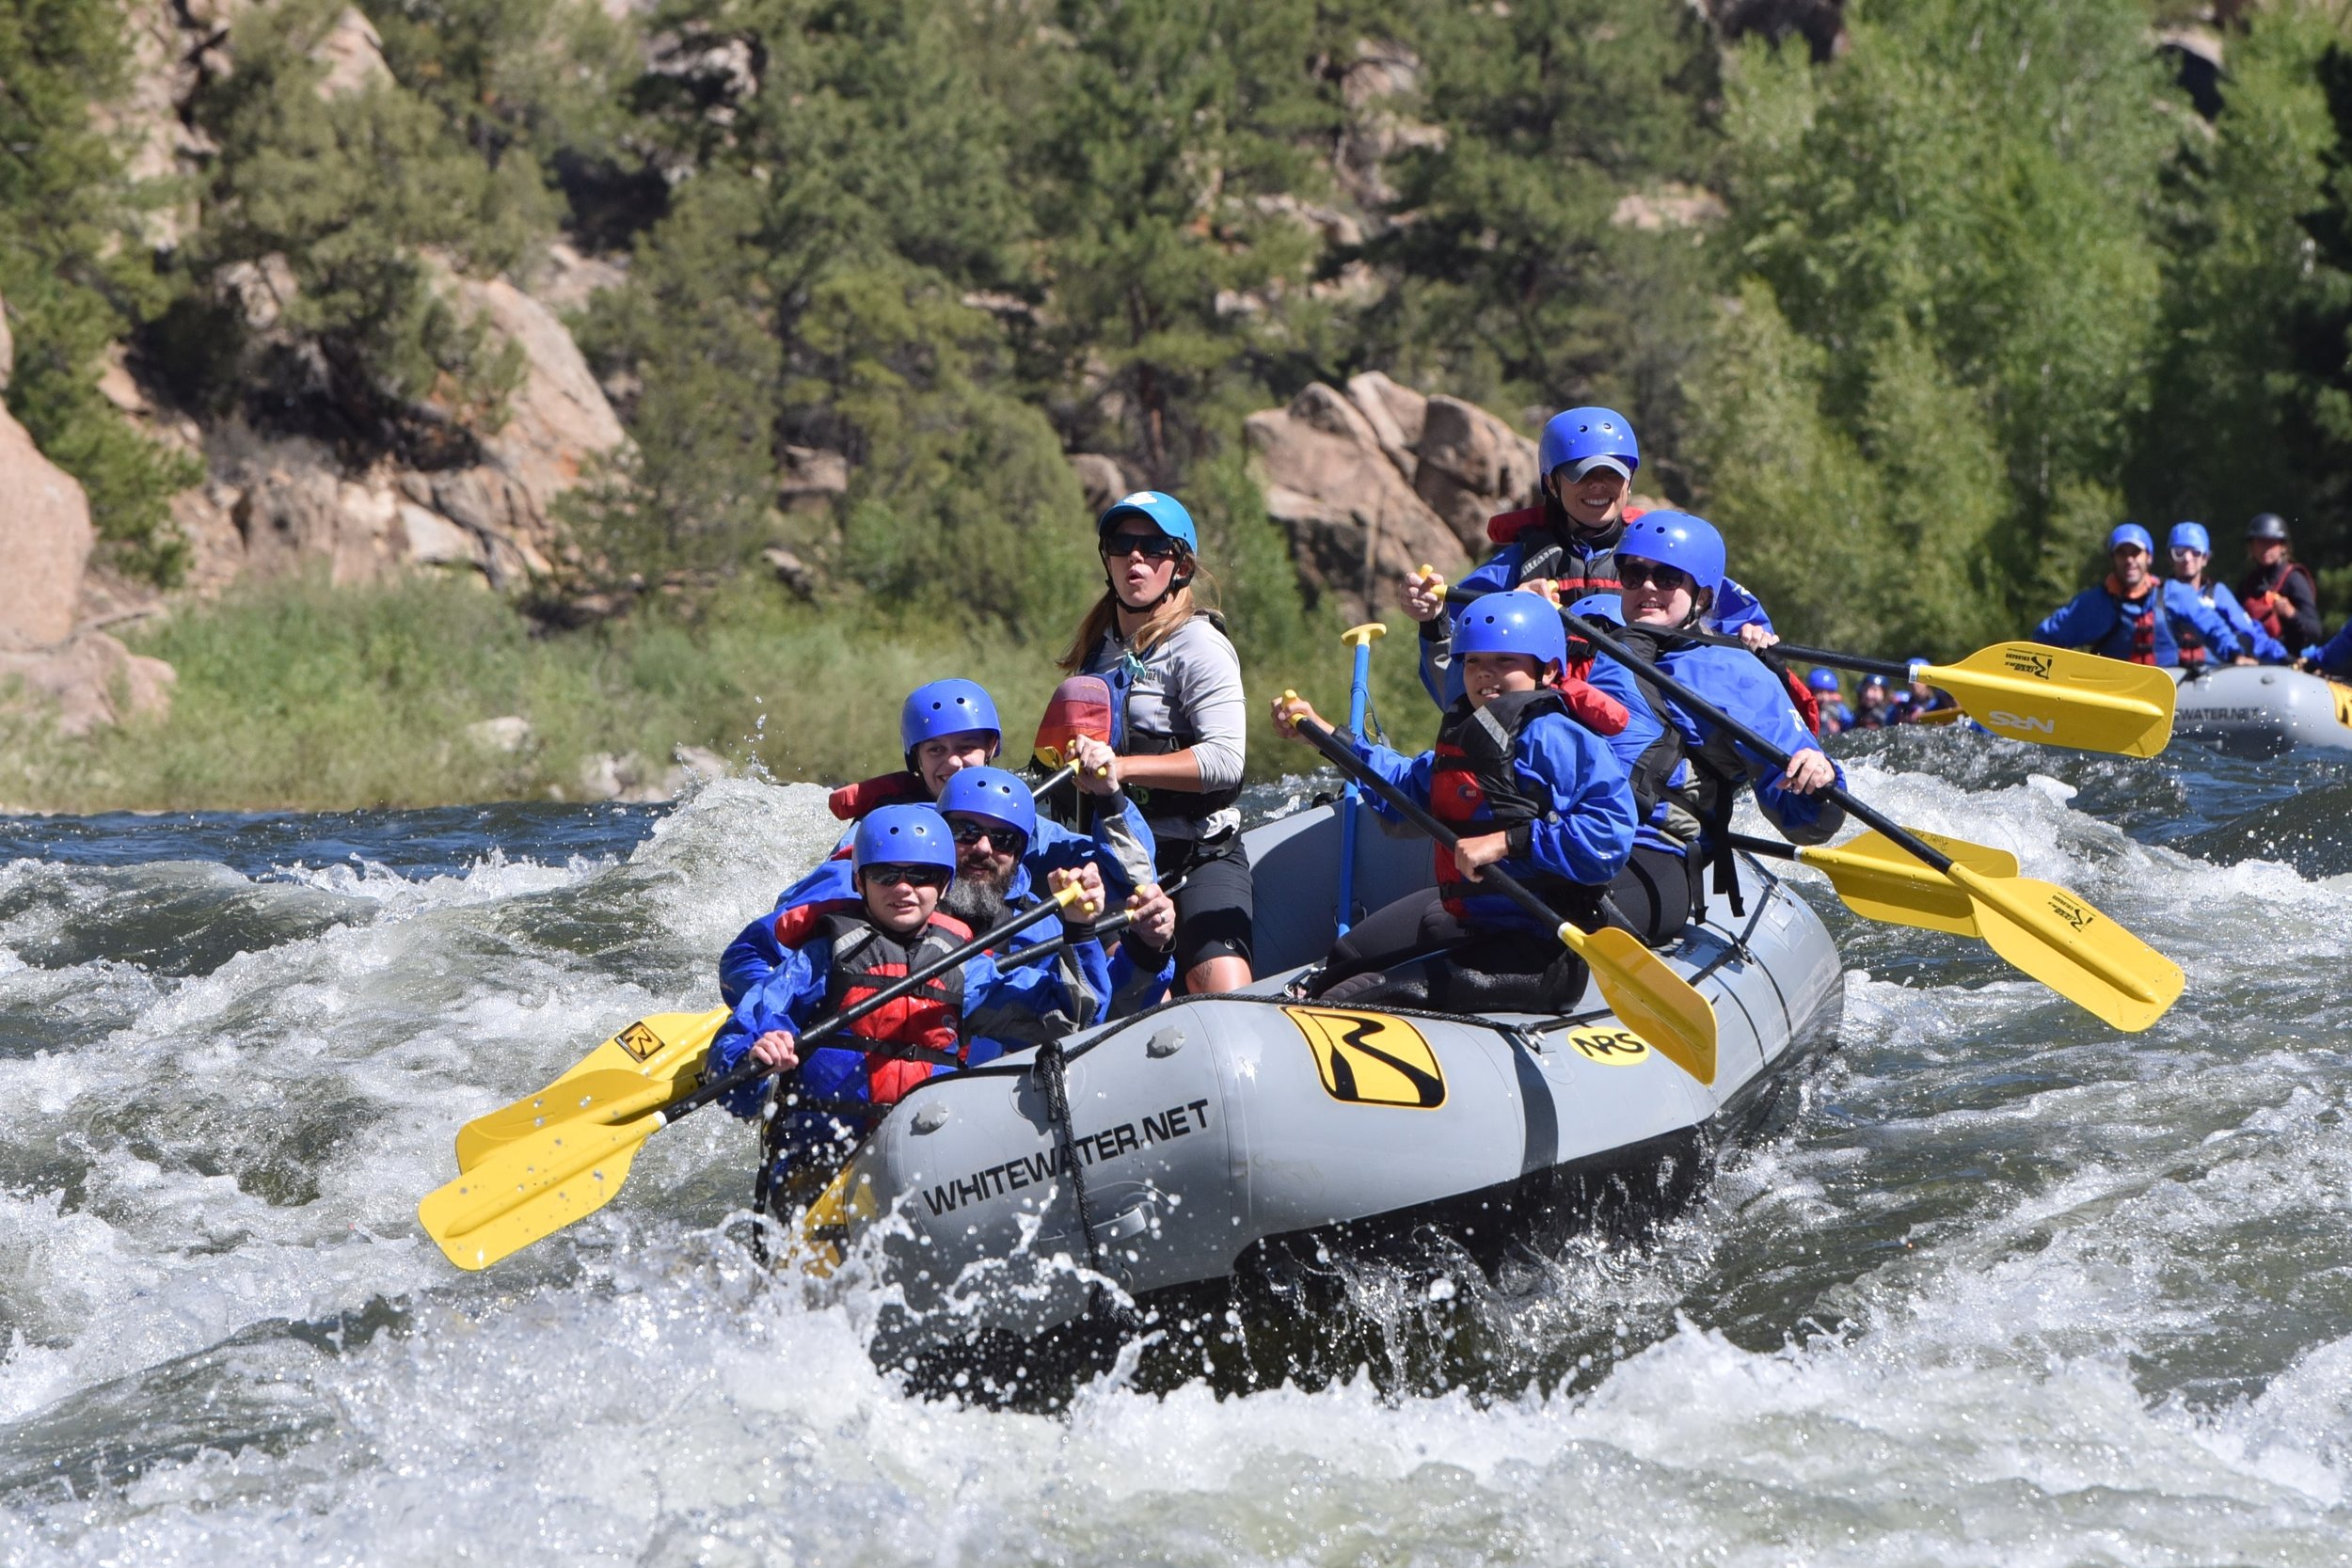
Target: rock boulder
<point>45,539</point>
<point>1376,481</point>
<point>1356,525</point>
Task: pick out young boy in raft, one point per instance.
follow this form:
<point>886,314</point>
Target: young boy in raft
<point>833,955</point>
<point>945,727</point>
<point>1531,790</point>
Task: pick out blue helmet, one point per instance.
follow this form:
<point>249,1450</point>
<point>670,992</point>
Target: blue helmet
<point>1606,607</point>
<point>903,836</point>
<point>1680,540</point>
<point>993,793</point>
<point>1824,681</point>
<point>2130,533</point>
<point>1159,507</point>
<point>1512,623</point>
<point>946,707</point>
<point>2189,536</point>
<point>1582,432</point>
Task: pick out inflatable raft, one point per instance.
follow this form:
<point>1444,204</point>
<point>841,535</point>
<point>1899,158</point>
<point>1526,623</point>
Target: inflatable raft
<point>1213,1133</point>
<point>2261,709</point>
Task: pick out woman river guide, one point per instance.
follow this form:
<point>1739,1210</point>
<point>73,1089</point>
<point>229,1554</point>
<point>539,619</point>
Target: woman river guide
<point>1179,733</point>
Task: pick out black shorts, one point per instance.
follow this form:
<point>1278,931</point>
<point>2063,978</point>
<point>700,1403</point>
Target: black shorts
<point>1215,907</point>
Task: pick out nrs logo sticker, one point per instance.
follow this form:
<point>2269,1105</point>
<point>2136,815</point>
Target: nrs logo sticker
<point>1371,1058</point>
<point>639,1041</point>
<point>1611,1047</point>
<point>2001,719</point>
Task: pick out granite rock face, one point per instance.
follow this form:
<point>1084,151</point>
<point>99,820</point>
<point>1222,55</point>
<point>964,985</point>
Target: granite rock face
<point>1377,481</point>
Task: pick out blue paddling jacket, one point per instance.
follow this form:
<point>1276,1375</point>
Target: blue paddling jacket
<point>1521,765</point>
<point>2138,628</point>
<point>2251,638</point>
<point>1120,846</point>
<point>833,955</point>
<point>1745,688</point>
<point>2334,657</point>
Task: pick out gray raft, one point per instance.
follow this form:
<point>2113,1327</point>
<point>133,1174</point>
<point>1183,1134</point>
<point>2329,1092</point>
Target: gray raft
<point>1208,1130</point>
<point>2263,709</point>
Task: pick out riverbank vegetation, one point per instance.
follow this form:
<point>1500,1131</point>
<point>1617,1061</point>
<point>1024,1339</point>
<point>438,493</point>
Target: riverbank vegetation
<point>1916,318</point>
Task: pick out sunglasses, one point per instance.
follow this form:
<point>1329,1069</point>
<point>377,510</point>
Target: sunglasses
<point>1151,547</point>
<point>912,875</point>
<point>1003,840</point>
<point>1646,573</point>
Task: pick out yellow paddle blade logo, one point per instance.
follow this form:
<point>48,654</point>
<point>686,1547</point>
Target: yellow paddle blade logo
<point>638,1040</point>
<point>2027,663</point>
<point>1371,1058</point>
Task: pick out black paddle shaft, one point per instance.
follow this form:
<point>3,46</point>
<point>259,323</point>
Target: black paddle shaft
<point>751,1071</point>
<point>1894,667</point>
<point>1748,737</point>
<point>1489,877</point>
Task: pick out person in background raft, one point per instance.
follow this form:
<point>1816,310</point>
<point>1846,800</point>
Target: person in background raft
<point>1837,717</point>
<point>945,727</point>
<point>1671,563</point>
<point>1565,547</point>
<point>1919,699</point>
<point>2132,615</point>
<point>2277,591</point>
<point>2191,549</point>
<point>1874,704</point>
<point>1531,791</point>
<point>836,954</point>
<point>1181,724</point>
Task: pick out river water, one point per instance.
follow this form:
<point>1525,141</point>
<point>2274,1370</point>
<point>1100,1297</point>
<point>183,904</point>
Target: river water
<point>2008,1289</point>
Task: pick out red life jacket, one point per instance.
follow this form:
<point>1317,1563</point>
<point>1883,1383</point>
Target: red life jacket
<point>851,801</point>
<point>2141,613</point>
<point>865,958</point>
<point>1474,787</point>
<point>1574,577</point>
<point>1809,705</point>
<point>2271,609</point>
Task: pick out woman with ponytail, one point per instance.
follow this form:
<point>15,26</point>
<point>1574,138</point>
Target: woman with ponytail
<point>1181,726</point>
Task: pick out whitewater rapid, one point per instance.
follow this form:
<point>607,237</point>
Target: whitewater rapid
<point>2009,1287</point>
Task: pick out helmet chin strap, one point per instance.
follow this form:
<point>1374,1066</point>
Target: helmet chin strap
<point>1175,584</point>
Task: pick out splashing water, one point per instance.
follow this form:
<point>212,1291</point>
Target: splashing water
<point>2007,1287</point>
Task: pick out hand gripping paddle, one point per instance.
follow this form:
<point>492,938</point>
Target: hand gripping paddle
<point>1650,998</point>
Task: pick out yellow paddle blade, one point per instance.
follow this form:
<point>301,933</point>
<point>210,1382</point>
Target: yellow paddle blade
<point>666,1049</point>
<point>1941,715</point>
<point>2048,933</point>
<point>2060,697</point>
<point>1879,879</point>
<point>1649,998</point>
<point>531,1188</point>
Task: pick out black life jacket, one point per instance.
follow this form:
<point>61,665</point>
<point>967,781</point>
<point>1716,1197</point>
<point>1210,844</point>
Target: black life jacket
<point>1708,797</point>
<point>1171,814</point>
<point>924,1025</point>
<point>1474,788</point>
<point>1543,533</point>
